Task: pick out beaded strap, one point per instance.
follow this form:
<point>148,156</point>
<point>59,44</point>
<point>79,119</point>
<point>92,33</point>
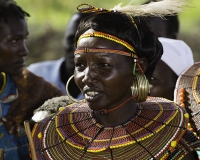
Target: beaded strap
<point>133,21</point>
<point>107,36</point>
<point>104,50</point>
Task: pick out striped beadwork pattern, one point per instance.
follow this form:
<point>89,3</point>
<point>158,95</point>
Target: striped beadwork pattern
<point>190,81</point>
<point>74,133</point>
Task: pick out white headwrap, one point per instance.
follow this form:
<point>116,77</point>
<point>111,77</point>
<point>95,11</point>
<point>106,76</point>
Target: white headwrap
<point>176,54</point>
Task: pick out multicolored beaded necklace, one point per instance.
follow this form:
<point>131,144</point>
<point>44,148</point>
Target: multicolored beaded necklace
<point>74,133</point>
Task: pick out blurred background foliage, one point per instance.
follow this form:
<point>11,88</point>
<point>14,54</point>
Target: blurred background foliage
<point>49,19</point>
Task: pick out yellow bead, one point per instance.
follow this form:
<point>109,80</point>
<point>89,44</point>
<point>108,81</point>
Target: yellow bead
<point>40,135</point>
<point>186,115</point>
<point>189,125</point>
<point>173,144</point>
<point>195,133</point>
<point>61,108</point>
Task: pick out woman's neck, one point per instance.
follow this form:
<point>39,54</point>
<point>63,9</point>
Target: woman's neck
<point>118,116</point>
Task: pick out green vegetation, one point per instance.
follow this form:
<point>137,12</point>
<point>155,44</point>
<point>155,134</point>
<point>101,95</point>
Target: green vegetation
<point>49,18</point>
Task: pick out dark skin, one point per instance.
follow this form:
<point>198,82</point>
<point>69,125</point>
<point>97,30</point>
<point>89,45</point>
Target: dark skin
<point>162,84</point>
<point>103,74</point>
<point>67,68</point>
<point>160,28</point>
<point>12,46</point>
<point>163,81</point>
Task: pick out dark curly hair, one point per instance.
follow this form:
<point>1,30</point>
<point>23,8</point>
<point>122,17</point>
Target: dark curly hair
<point>9,8</point>
<point>171,23</point>
<point>144,41</point>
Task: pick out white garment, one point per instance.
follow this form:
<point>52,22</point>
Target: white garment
<point>50,71</point>
<point>176,54</point>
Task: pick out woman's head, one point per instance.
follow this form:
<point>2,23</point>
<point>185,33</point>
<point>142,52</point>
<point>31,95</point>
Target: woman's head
<point>107,45</point>
<point>114,49</point>
<point>134,30</point>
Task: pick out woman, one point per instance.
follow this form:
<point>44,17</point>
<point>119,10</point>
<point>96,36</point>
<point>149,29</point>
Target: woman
<point>116,120</point>
<point>177,57</point>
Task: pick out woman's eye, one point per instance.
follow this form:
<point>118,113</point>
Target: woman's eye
<point>104,65</point>
<point>14,41</point>
<point>79,65</point>
<point>153,79</point>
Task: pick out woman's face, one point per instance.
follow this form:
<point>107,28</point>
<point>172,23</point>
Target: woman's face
<point>104,78</point>
<point>162,82</point>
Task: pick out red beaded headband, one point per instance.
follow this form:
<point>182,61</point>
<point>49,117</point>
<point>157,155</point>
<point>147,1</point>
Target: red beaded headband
<point>103,50</point>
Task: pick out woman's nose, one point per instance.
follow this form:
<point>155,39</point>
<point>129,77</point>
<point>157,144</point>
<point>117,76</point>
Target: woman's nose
<point>90,76</point>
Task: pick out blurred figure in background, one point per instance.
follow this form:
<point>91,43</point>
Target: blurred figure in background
<point>21,92</point>
<point>177,57</point>
<point>58,72</point>
<point>167,27</point>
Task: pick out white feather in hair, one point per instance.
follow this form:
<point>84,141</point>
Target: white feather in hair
<point>160,8</point>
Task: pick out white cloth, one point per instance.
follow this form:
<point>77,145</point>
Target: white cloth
<point>50,71</point>
<point>176,54</point>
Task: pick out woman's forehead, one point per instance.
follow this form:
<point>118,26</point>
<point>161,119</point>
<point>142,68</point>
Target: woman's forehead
<point>102,55</point>
<point>97,42</point>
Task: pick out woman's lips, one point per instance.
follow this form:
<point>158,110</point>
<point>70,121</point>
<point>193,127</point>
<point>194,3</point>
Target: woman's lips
<point>92,95</point>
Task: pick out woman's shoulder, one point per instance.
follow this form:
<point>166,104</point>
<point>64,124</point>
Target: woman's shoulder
<point>164,104</point>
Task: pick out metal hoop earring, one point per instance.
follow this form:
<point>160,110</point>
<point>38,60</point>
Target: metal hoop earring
<point>140,87</point>
<point>68,94</point>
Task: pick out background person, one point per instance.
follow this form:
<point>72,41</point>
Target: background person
<point>176,58</point>
<point>167,26</point>
<point>116,120</point>
<point>58,72</point>
<point>21,92</point>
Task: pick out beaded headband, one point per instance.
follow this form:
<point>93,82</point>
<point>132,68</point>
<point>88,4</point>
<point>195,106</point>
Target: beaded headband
<point>104,50</point>
<point>109,37</point>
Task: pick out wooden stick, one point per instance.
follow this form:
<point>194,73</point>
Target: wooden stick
<point>1,154</point>
<point>30,139</point>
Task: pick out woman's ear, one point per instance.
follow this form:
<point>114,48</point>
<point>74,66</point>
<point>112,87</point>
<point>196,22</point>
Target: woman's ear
<point>143,65</point>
